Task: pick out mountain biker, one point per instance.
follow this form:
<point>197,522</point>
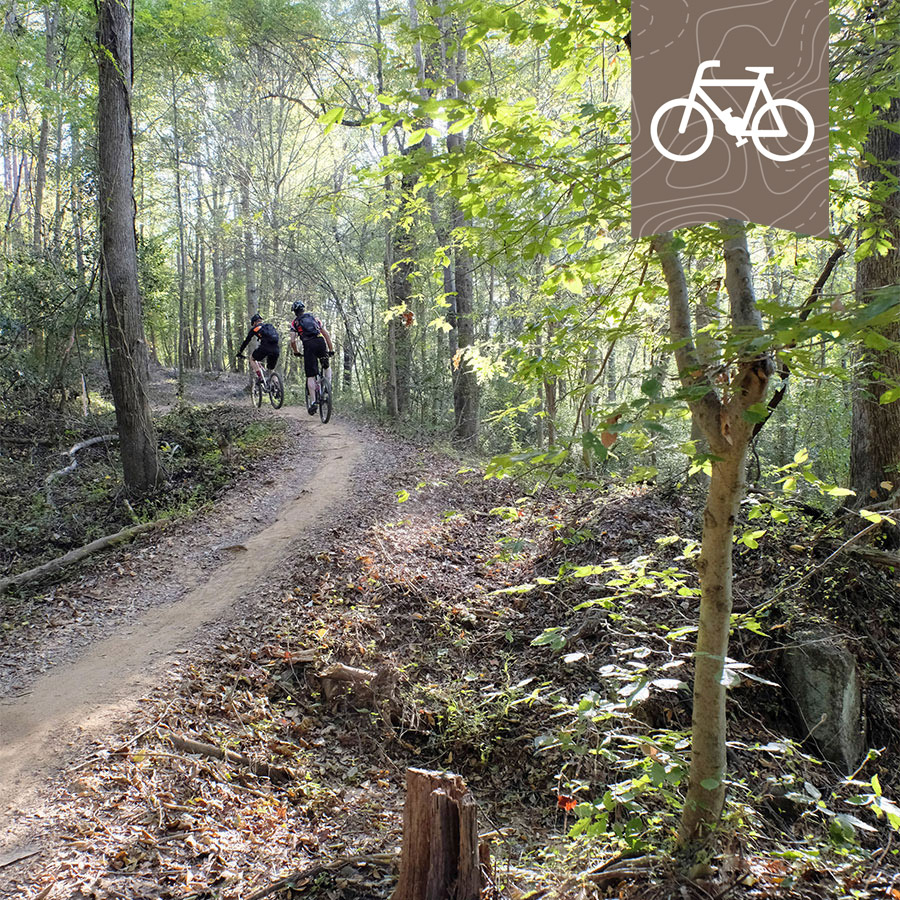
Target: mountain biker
<point>269,345</point>
<point>309,331</point>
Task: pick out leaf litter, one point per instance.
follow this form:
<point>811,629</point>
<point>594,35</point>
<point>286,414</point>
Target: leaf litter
<point>437,594</point>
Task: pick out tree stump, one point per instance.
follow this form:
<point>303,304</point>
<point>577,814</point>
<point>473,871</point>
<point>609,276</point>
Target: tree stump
<point>440,857</point>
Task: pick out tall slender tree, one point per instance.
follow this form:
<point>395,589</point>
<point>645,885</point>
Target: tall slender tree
<point>128,358</point>
<point>875,429</point>
<point>721,415</point>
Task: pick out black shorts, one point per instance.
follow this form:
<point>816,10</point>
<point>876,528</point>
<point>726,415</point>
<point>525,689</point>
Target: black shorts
<point>313,349</point>
<point>269,354</point>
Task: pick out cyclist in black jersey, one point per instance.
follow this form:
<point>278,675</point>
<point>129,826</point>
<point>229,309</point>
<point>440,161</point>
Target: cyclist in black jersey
<point>269,348</point>
<point>309,332</point>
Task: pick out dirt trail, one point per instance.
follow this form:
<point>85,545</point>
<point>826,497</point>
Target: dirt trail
<point>88,696</point>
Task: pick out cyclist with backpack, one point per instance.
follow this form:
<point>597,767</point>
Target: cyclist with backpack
<point>309,332</point>
<point>269,345</point>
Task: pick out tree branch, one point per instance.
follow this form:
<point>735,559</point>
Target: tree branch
<point>814,295</point>
<point>691,371</point>
<point>301,102</point>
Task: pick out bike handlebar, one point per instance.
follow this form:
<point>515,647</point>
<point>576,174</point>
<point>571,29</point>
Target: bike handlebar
<point>709,64</point>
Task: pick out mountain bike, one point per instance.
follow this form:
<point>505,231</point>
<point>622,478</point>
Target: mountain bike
<point>771,113</point>
<point>267,383</point>
<point>323,394</point>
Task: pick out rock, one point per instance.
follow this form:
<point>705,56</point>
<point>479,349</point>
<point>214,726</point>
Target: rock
<point>820,674</point>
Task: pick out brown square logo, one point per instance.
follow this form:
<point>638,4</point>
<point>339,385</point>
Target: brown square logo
<point>729,114</point>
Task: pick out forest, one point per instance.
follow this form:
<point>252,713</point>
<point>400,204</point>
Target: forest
<point>570,569</point>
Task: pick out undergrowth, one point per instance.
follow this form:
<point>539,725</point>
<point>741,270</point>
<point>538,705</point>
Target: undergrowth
<point>202,449</point>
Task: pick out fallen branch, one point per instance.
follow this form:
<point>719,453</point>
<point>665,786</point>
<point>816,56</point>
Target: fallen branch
<point>22,441</point>
<point>801,581</point>
<point>90,442</point>
<point>312,871</point>
<point>276,773</point>
<point>878,557</point>
<point>15,856</point>
<point>74,556</point>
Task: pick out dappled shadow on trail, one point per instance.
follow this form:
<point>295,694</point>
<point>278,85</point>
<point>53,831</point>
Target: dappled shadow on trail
<point>169,594</point>
<point>435,584</point>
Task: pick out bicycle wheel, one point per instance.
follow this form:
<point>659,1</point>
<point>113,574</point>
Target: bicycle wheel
<point>325,402</point>
<point>666,130</point>
<point>276,390</point>
<point>256,393</point>
<point>783,148</point>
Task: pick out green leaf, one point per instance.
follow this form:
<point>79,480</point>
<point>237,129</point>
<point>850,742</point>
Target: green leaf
<point>889,396</point>
<point>594,445</point>
<point>756,413</point>
<point>332,116</point>
<point>876,785</point>
<point>461,124</point>
<point>710,784</point>
<point>554,638</point>
<point>573,282</point>
<point>751,538</point>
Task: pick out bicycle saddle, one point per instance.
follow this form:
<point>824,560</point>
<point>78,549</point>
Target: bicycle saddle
<point>760,70</point>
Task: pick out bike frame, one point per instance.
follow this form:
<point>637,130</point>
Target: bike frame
<point>320,377</point>
<point>724,115</point>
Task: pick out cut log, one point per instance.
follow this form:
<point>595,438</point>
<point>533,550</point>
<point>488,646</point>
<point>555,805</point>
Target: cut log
<point>276,773</point>
<point>440,855</point>
<point>74,556</point>
<point>337,675</point>
<point>340,672</point>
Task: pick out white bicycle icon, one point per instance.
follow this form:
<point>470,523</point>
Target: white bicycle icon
<point>736,126</point>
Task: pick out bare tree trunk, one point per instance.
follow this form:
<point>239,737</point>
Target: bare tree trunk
<point>401,275</point>
<point>550,386</point>
<point>182,253</point>
<point>231,363</point>
<point>251,287</point>
<point>204,319</point>
<point>128,365</point>
<point>77,220</point>
<point>56,245</point>
<point>40,175</point>
<point>875,429</point>
<point>465,393</point>
<point>728,433</point>
<point>218,287</point>
<point>590,373</point>
<point>348,360</point>
<point>704,315</point>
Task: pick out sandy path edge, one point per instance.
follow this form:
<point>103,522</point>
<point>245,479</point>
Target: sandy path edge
<point>86,697</point>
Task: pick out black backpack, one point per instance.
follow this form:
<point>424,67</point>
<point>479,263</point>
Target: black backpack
<point>307,325</point>
<point>267,334</point>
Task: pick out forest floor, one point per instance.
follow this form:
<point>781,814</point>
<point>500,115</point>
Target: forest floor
<point>349,547</point>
